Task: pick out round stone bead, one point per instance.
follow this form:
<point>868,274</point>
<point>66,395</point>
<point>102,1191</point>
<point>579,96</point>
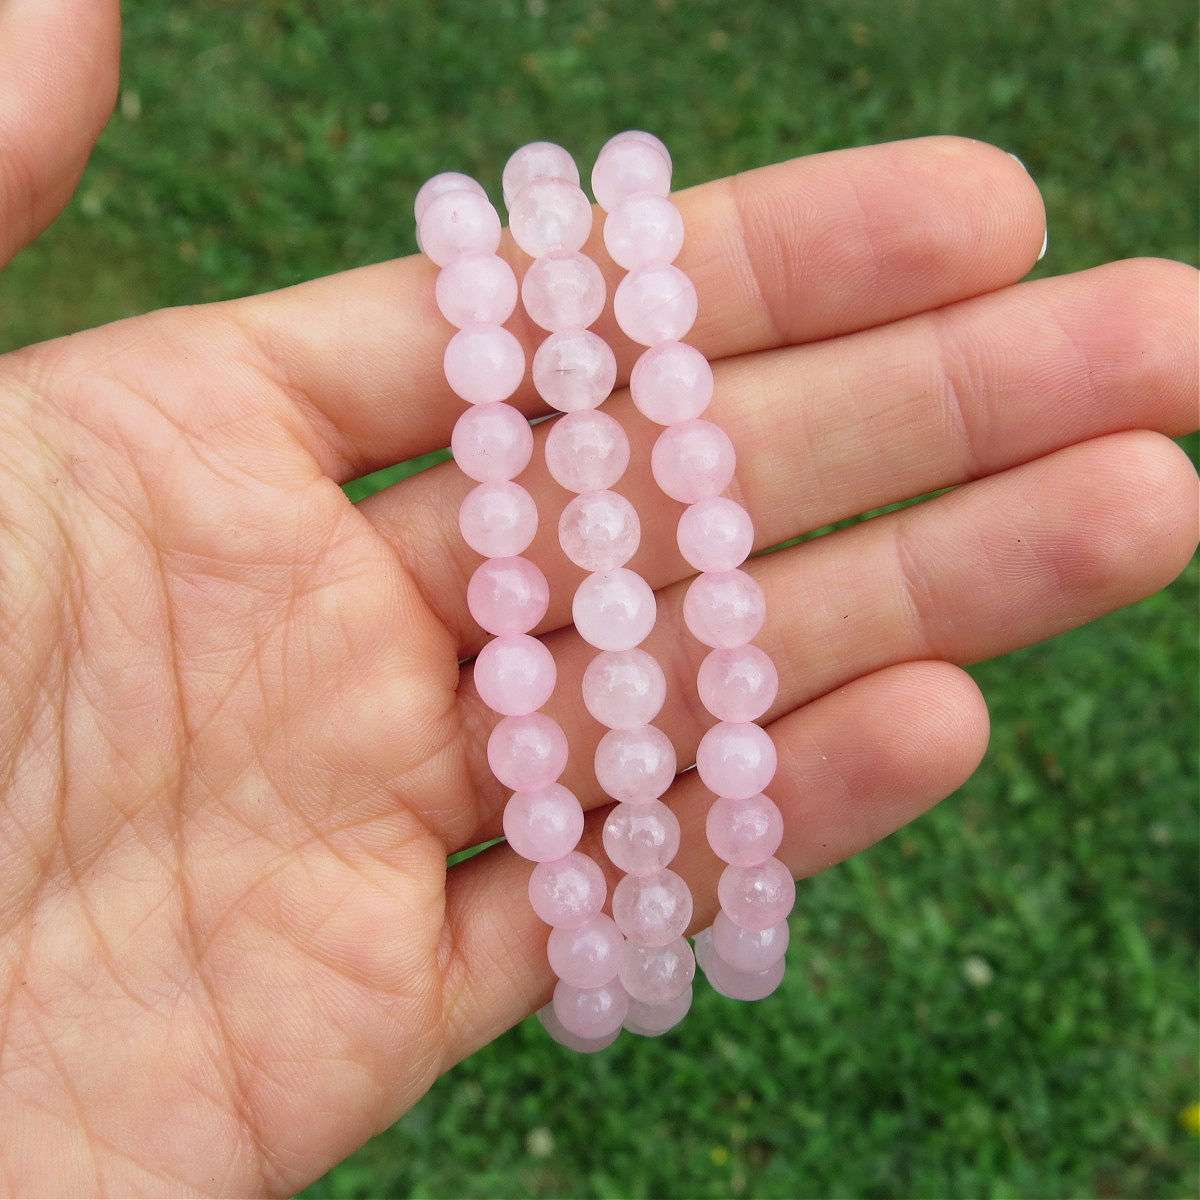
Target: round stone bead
<point>574,370</point>
<point>638,135</point>
<point>599,531</point>
<point>537,160</point>
<point>567,892</point>
<point>614,610</point>
<point>498,520</point>
<point>527,754</point>
<point>491,442</point>
<point>514,675</point>
<point>652,910</point>
<point>692,461</point>
<point>507,595</point>
<point>737,685</point>
<point>586,451</point>
<point>655,304</point>
<point>586,957</point>
<point>656,974</point>
<point>624,688</point>
<point>477,289</point>
<point>644,230</point>
<point>626,166</point>
<point>749,950</point>
<point>543,825</point>
<point>641,837</point>
<point>744,832</point>
<point>484,364</point>
<point>715,534</point>
<point>457,223</point>
<point>438,185</point>
<point>550,216</point>
<point>635,764</point>
<point>563,291</point>
<point>671,382</point>
<point>737,985</point>
<point>553,1026</point>
<point>736,760</point>
<point>757,897</point>
<point>651,1020</point>
<point>590,1013</point>
<point>724,609</point>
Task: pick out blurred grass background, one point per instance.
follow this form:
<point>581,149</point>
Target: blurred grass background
<point>999,1001</point>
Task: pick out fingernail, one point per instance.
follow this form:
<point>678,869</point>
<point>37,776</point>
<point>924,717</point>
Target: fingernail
<point>1046,235</point>
<point>1045,245</point>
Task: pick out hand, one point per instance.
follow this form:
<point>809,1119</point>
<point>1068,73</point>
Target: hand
<point>236,741</point>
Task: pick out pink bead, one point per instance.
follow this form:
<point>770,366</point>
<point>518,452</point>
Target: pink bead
<point>744,832</point>
<point>590,1013</point>
<point>737,985</point>
<point>574,370</point>
<point>652,910</point>
<point>749,950</point>
<point>614,610</point>
<point>655,304</point>
<point>544,825</point>
<point>498,520</point>
<point>692,461</point>
<point>638,135</point>
<point>651,1020</point>
<point>644,230</point>
<point>477,289</point>
<point>635,764</point>
<point>641,837</point>
<point>624,688</point>
<point>586,451</point>
<point>715,534</point>
<point>626,166</point>
<point>757,897</point>
<point>439,185</point>
<point>724,609</point>
<point>671,382</point>
<point>527,754</point>
<point>514,675</point>
<point>567,892</point>
<point>599,531</point>
<point>656,974</point>
<point>537,160</point>
<point>457,223</point>
<point>563,291</point>
<point>586,957</point>
<point>737,685</point>
<point>491,442</point>
<point>550,216</point>
<point>736,760</point>
<point>484,364</point>
<point>553,1026</point>
<point>507,595</point>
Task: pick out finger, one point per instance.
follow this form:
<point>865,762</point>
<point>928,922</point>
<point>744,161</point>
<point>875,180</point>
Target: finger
<point>830,430</point>
<point>58,80</point>
<point>854,766</point>
<point>789,253</point>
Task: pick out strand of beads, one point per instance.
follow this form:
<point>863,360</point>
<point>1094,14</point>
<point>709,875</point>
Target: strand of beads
<point>693,462</point>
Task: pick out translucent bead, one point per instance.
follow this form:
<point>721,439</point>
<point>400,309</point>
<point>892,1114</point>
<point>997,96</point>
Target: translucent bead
<point>624,688</point>
<point>638,135</point>
<point>614,610</point>
<point>641,837</point>
<point>724,609</point>
<point>553,1026</point>
<point>635,764</point>
<point>457,223</point>
<point>527,754</point>
<point>586,451</point>
<point>507,595</point>
<point>652,910</point>
<point>491,442</point>
<point>439,185</point>
<point>715,534</point>
<point>651,1020</point>
<point>737,985</point>
<point>574,370</point>
<point>736,760</point>
<point>514,675</point>
<point>671,382</point>
<point>744,832</point>
<point>655,304</point>
<point>543,825</point>
<point>484,364</point>
<point>757,897</point>
<point>477,289</point>
<point>567,892</point>
<point>737,685</point>
<point>537,160</point>
<point>644,230</point>
<point>550,216</point>
<point>692,461</point>
<point>586,957</point>
<point>626,166</point>
<point>749,950</point>
<point>498,520</point>
<point>590,1013</point>
<point>599,531</point>
<point>656,974</point>
<point>563,291</point>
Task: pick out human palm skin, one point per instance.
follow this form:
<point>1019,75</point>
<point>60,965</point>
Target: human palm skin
<point>238,746</point>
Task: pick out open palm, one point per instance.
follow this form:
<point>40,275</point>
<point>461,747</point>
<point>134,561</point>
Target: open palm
<point>238,746</point>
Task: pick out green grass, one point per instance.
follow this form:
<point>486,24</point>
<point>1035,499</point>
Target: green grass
<point>1001,1000</point>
